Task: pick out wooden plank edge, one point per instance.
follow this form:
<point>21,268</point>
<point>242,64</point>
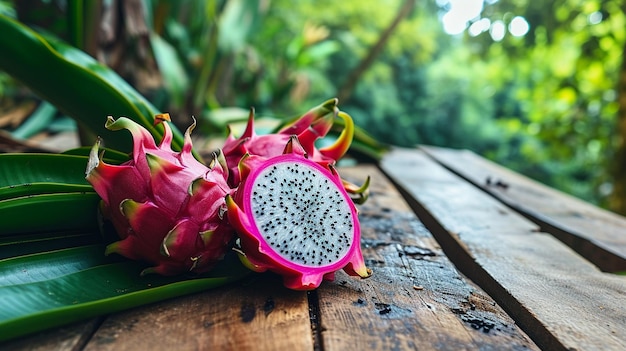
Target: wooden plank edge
<point>602,255</point>
<point>465,263</point>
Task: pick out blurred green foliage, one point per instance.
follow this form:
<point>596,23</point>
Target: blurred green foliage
<point>544,104</point>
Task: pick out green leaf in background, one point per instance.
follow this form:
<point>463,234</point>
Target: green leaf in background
<point>170,66</point>
<point>75,83</point>
<point>222,118</point>
<point>62,124</point>
<point>37,122</point>
<point>237,21</point>
<point>59,287</point>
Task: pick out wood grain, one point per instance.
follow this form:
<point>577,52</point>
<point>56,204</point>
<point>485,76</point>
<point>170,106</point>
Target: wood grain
<point>69,337</point>
<point>560,299</point>
<point>254,315</point>
<point>416,299</point>
<point>597,234</point>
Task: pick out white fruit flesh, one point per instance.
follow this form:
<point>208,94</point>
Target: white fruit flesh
<point>302,214</point>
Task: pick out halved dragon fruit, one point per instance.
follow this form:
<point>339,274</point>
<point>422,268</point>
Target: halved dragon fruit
<point>295,218</point>
<point>310,127</point>
<point>167,207</point>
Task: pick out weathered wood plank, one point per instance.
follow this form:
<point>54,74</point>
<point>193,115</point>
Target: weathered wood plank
<point>561,300</point>
<point>597,234</point>
<point>416,299</point>
<point>66,338</point>
<point>255,315</point>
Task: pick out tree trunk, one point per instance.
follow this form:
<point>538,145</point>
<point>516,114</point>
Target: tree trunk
<point>348,85</point>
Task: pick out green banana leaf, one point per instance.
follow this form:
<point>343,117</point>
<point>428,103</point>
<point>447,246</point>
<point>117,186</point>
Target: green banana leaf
<point>19,169</point>
<point>45,204</point>
<point>25,190</point>
<point>42,194</point>
<point>60,287</point>
<point>30,176</point>
<point>27,244</point>
<point>75,83</point>
<point>49,212</point>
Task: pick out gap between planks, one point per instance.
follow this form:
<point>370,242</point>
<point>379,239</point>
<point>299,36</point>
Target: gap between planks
<point>314,317</point>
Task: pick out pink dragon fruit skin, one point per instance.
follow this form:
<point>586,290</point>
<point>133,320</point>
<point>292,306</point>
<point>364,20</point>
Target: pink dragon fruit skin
<point>294,218</point>
<point>167,207</point>
<point>313,125</point>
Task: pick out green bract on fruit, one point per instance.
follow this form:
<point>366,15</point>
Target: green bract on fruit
<point>167,207</point>
<point>294,217</point>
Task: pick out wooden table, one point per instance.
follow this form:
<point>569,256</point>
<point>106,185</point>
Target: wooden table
<point>466,255</point>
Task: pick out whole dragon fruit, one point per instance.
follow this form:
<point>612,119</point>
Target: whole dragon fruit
<point>167,207</point>
<point>294,217</point>
<point>310,127</point>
